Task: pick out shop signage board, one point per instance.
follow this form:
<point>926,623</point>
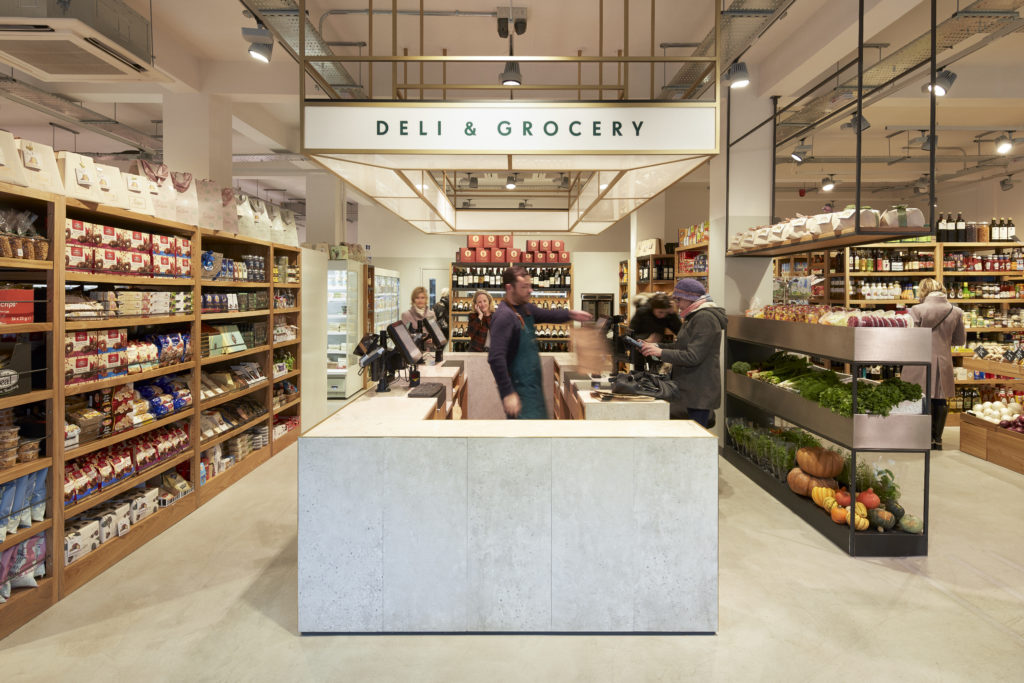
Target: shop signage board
<point>500,128</point>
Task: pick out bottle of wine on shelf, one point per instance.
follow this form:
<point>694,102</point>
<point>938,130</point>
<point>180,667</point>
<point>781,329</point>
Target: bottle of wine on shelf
<point>961,227</point>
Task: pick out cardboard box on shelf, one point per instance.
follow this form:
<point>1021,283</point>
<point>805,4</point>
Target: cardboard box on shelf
<point>483,255</point>
<point>532,245</point>
<point>649,247</point>
<point>505,241</point>
<point>16,306</point>
<point>526,257</point>
<point>467,255</point>
<point>498,255</point>
<point>474,241</point>
<point>545,245</point>
<point>563,257</point>
<point>490,241</point>
<point>557,245</point>
<point>540,257</point>
<point>78,232</point>
<point>77,257</point>
<point>514,255</point>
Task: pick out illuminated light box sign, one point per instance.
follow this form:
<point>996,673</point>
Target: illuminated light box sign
<point>524,128</point>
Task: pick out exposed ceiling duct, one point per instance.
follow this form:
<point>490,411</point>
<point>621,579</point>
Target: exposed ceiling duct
<point>282,18</point>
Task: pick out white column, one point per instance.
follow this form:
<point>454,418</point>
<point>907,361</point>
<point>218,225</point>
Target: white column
<point>197,136</point>
<point>325,209</point>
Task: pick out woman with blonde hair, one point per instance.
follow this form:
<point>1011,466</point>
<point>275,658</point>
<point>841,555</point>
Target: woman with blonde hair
<point>480,321</point>
<point>419,309</point>
<point>946,322</point>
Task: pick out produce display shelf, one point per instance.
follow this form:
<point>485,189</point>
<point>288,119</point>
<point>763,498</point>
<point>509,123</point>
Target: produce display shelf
<point>208,360</point>
<point>26,603</point>
<point>241,284</point>
<point>235,314</point>
<point>80,572</point>
<point>115,279</point>
<point>994,366</point>
<point>222,481</point>
<point>862,432</point>
<point>126,218</point>
<point>233,432</point>
<point>134,321</point>
<point>122,486</point>
<point>25,534</point>
<point>692,247</point>
<point>83,387</point>
<point>22,399</point>
<point>293,309</point>
<point>227,396</point>
<point>25,264</point>
<point>892,543</point>
<point>846,237</point>
<point>285,406</point>
<point>22,468</point>
<point>96,445</point>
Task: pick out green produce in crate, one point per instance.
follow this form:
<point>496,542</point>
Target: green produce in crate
<point>741,367</point>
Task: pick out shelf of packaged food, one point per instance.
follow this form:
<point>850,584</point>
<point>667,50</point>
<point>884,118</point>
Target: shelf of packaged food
<point>242,284</point>
<point>22,468</point>
<point>83,387</point>
<point>75,206</point>
<point>287,375</point>
<point>844,237</point>
<point>869,302</point>
<point>995,329</point>
<point>222,236</point>
<point>287,342</point>
<point>962,354</point>
<point>233,432</point>
<point>995,367</point>
<point>82,571</point>
<point>120,487</point>
<point>892,543</point>
<point>1011,382</point>
<point>285,440</point>
<point>237,354</point>
<point>235,314</point>
<point>25,264</point>
<point>229,395</point>
<point>977,300</point>
<point>287,285</point>
<point>976,273</point>
<point>909,274</point>
<point>115,279</point>
<point>25,534</point>
<point>134,321</point>
<point>285,406</point>
<point>953,246</point>
<point>215,485</point>
<point>692,247</point>
<point>702,273</point>
<point>22,399</point>
<point>25,603</point>
<point>294,309</point>
<point>93,446</point>
<point>285,247</point>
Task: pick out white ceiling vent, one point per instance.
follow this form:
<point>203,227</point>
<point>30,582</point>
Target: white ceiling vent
<point>102,40</point>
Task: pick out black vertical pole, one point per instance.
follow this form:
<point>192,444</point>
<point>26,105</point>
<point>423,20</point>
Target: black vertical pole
<point>728,149</point>
<point>932,137</point>
<point>775,137</point>
<point>860,107</point>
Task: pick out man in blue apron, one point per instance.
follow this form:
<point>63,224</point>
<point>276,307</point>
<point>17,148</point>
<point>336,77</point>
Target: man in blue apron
<point>513,356</point>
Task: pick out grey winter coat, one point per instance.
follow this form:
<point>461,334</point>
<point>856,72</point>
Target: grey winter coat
<point>695,357</point>
<point>949,333</point>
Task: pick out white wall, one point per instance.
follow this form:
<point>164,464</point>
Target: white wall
<point>686,204</point>
<point>313,394</point>
<point>986,200</point>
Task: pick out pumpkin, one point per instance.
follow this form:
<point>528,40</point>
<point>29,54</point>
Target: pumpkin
<point>869,498</point>
<point>839,514</point>
<point>802,483</point>
<point>882,518</point>
<point>819,462</point>
<point>829,503</point>
<point>820,493</point>
<point>861,523</point>
<point>896,509</point>
<point>843,497</point>
<point>860,509</point>
<point>911,524</point>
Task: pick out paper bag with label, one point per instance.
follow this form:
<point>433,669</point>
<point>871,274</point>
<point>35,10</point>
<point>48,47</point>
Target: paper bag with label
<point>111,187</point>
<point>158,186</point>
<point>11,170</point>
<point>78,173</point>
<point>40,166</point>
<point>137,194</point>
<point>210,210</point>
<point>186,199</point>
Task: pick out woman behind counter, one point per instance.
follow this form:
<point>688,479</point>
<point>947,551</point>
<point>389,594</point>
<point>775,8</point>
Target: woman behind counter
<point>419,310</point>
<point>480,321</point>
<point>946,322</point>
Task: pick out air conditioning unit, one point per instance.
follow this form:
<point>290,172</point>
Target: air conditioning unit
<point>55,41</point>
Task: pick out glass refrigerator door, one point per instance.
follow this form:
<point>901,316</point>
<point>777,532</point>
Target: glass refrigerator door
<point>343,285</point>
<point>385,306</point>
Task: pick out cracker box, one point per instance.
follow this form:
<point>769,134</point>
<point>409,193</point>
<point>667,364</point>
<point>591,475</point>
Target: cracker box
<point>532,245</point>
<point>139,241</point>
<point>162,244</point>
<point>505,241</point>
<point>474,241</point>
<point>79,343</point>
<point>183,246</point>
<point>514,255</point>
<point>184,266</point>
<point>107,235</point>
<point>563,257</point>
<point>105,259</point>
<point>483,255</point>
<point>77,257</point>
<point>140,264</point>
<point>16,306</point>
<point>467,255</point>
<point>490,241</point>
<point>498,255</point>
<point>526,257</point>
<point>164,265</point>
<point>557,245</point>
<point>78,232</point>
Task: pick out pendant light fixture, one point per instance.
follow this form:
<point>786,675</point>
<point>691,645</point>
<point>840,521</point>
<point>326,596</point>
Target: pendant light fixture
<point>943,82</point>
<point>738,76</point>
<point>800,152</point>
<point>261,43</point>
<point>510,183</point>
<point>827,183</point>
<point>1004,144</point>
<point>511,74</point>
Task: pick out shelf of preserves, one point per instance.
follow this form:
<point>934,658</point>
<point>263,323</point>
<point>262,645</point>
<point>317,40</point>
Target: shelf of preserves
<point>909,274</point>
<point>26,603</point>
<point>25,264</point>
<point>231,475</point>
<point>128,322</point>
<point>84,387</point>
<point>995,329</point>
<point>115,279</point>
<point>225,397</point>
<point>22,399</point>
<point>131,482</point>
<point>93,446</point>
<point>25,534</point>
<point>995,367</point>
<point>242,284</point>
<point>1002,382</point>
<point>234,431</point>
<point>207,360</point>
<point>22,468</point>
<point>235,314</point>
<point>975,273</point>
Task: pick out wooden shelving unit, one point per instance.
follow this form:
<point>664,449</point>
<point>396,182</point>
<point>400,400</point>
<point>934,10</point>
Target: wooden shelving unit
<point>60,580</point>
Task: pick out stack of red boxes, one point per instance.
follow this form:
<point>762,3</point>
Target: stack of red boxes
<point>545,251</point>
<point>499,249</point>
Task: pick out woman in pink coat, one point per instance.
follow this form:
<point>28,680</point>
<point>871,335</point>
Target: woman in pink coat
<point>946,322</point>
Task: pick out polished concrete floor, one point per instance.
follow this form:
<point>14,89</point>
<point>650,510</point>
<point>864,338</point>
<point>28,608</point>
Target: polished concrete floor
<point>214,599</point>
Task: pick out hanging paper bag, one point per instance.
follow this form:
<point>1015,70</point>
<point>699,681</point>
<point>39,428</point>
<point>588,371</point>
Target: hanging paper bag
<point>186,199</point>
<point>11,170</point>
<point>40,166</point>
<point>290,231</point>
<point>228,210</point>
<point>210,211</point>
<point>246,219</point>
<point>159,187</point>
<point>111,186</point>
<point>140,199</point>
<point>78,173</point>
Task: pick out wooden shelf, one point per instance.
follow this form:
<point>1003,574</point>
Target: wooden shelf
<point>222,236</point>
<point>703,273</point>
<point>115,279</point>
<point>147,222</point>
<point>692,247</point>
<point>96,445</point>
<point>995,329</point>
<point>235,314</point>
<point>1005,382</point>
<point>986,301</point>
<point>293,373</point>
<point>978,273</point>
<point>287,285</point>
<point>282,311</point>
<point>22,468</point>
<point>22,399</point>
<point>237,354</point>
<point>243,284</point>
<point>995,367</point>
<point>25,264</point>
<point>140,321</point>
<point>218,484</point>
<point>227,396</point>
<point>898,245</point>
<point>285,247</point>
<point>116,549</point>
<point>287,342</point>
<point>120,487</point>
<point>25,603</point>
<point>845,237</point>
<point>233,432</point>
<point>953,246</point>
<point>963,354</point>
<point>868,302</point>
<point>909,274</point>
<point>25,534</point>
<point>83,387</point>
<point>285,406</point>
<point>283,442</point>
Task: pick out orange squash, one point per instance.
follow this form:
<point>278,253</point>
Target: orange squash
<point>839,514</point>
<point>819,462</point>
<point>802,483</point>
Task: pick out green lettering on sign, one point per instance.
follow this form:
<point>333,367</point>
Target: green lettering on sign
<point>617,128</point>
<point>551,131</point>
<point>403,127</point>
<point>504,128</point>
<point>575,133</point>
<point>382,127</point>
<point>528,128</point>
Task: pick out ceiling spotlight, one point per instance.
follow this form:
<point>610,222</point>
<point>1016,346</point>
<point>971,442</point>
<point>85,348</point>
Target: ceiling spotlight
<point>827,183</point>
<point>852,123</point>
<point>520,26</point>
<point>261,43</point>
<point>929,141</point>
<point>737,75</point>
<point>474,182</point>
<point>467,204</point>
<point>525,204</point>
<point>510,183</point>
<point>922,184</point>
<point>503,27</point>
<point>563,184</point>
<point>799,153</point>
<point>1006,183</point>
<point>1004,144</point>
<point>943,82</point>
<point>511,74</point>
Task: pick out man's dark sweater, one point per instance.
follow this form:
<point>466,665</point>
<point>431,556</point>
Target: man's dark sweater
<point>505,329</point>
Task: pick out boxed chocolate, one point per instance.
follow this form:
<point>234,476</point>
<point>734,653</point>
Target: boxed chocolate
<point>78,232</point>
<point>563,257</point>
<point>540,257</point>
<point>467,255</point>
<point>545,245</point>
<point>532,245</point>
<point>483,255</point>
<point>79,343</point>
<point>514,255</point>
<point>105,259</point>
<point>77,257</point>
<point>557,245</point>
<point>526,257</point>
<point>80,539</point>
<point>184,266</point>
<point>505,241</point>
<point>140,264</point>
<point>107,235</point>
<point>474,241</point>
<point>498,255</point>
<point>139,241</point>
<point>107,524</point>
<point>79,367</point>
<point>162,244</point>
<point>164,265</point>
<point>490,241</point>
